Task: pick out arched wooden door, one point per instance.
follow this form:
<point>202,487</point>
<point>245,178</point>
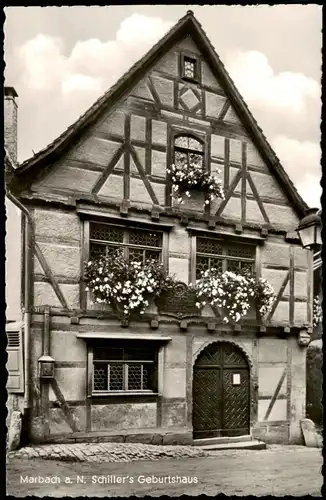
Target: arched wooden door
<point>221,392</point>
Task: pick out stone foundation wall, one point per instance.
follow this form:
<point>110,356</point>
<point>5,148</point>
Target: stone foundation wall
<point>123,416</point>
<point>272,432</point>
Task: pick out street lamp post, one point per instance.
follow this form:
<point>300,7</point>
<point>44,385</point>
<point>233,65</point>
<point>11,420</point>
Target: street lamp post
<point>309,231</point>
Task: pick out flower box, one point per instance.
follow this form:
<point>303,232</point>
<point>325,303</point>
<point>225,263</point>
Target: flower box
<point>235,296</point>
<point>191,180</point>
<point>193,203</point>
<point>127,288</point>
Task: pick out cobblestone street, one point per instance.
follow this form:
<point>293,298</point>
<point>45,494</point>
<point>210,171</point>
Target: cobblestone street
<point>99,470</point>
<point>106,452</point>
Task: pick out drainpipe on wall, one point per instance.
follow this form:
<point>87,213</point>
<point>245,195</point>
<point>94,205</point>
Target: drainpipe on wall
<point>27,305</point>
<point>46,337</point>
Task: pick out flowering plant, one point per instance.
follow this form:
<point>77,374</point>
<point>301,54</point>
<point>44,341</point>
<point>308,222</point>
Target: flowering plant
<point>127,286</point>
<point>190,175</point>
<point>233,292</point>
<point>264,295</point>
<point>317,312</point>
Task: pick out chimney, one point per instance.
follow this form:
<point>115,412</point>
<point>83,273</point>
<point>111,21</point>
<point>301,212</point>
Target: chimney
<point>10,122</point>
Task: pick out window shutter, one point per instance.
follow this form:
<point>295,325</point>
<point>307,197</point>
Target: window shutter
<point>15,367</point>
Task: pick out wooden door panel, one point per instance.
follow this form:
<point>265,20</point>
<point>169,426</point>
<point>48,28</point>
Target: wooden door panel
<point>221,392</point>
<point>207,400</point>
<point>235,402</point>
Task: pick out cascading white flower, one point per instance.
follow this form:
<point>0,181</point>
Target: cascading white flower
<point>113,279</point>
<point>317,312</point>
<point>233,292</point>
<point>186,176</point>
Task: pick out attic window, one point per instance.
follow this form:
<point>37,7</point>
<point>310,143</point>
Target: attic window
<point>189,67</point>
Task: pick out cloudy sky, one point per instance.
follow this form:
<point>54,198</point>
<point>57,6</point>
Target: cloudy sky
<point>61,59</point>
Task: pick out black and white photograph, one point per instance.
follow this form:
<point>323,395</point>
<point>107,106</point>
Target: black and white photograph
<point>163,238</point>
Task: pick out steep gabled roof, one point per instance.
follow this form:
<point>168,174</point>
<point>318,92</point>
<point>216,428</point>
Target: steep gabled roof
<point>187,25</point>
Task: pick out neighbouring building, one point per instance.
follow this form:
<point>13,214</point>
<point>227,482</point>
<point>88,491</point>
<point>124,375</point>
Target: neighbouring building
<point>13,263</point>
<point>104,183</point>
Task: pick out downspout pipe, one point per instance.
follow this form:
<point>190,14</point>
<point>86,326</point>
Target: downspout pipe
<point>27,296</point>
<point>46,336</point>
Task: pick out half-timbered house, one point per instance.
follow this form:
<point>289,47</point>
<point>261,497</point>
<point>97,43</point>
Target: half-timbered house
<point>103,183</point>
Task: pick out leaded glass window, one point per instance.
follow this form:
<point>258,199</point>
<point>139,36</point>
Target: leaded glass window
<point>132,369</point>
<point>137,244</point>
<point>212,253</point>
<point>189,68</point>
<point>188,150</point>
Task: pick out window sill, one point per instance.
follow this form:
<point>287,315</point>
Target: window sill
<point>190,80</point>
<point>124,393</point>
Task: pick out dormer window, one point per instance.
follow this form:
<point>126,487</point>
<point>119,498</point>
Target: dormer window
<point>189,68</point>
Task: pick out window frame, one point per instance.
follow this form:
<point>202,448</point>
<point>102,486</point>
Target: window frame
<point>126,236</point>
<point>202,137</point>
<point>85,238</point>
<point>188,151</point>
<point>223,257</point>
<point>158,351</point>
<point>184,57</point>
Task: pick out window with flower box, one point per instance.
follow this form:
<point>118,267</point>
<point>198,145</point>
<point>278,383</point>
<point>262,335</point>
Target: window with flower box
<point>188,150</point>
<point>117,369</point>
<point>214,253</point>
<point>138,244</point>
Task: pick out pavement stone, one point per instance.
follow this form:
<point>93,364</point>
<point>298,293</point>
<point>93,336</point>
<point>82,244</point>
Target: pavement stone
<point>106,452</point>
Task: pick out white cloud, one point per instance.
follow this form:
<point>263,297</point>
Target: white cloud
<point>145,30</point>
<point>283,103</point>
<point>43,62</point>
<point>76,79</point>
<point>92,64</point>
<point>78,82</point>
<point>301,160</point>
<point>258,83</point>
<point>94,57</point>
